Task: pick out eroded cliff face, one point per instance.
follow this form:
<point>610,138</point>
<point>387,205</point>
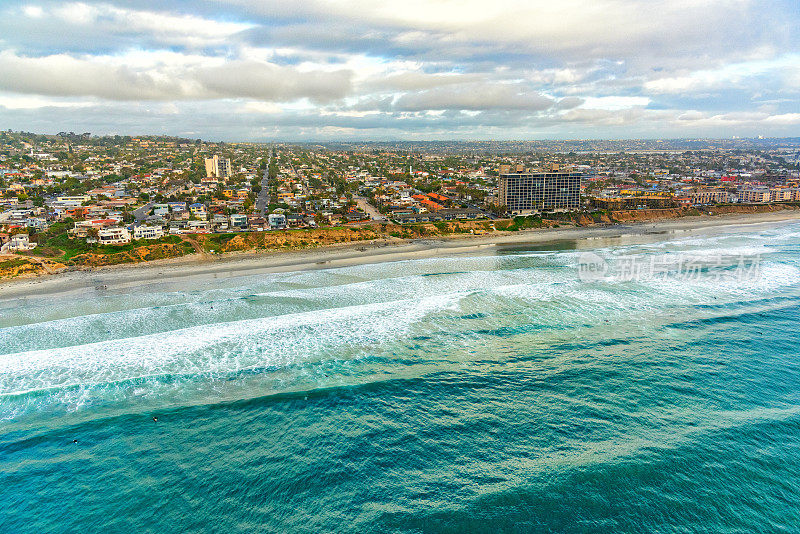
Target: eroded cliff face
<point>14,266</point>
<point>627,216</point>
<point>320,237</point>
<point>145,253</point>
<point>765,208</point>
<point>630,216</point>
<point>292,239</point>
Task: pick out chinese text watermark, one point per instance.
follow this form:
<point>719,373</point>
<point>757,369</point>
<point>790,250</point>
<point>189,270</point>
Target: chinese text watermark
<point>593,267</point>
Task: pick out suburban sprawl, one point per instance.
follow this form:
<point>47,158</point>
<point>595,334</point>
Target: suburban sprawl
<point>77,200</point>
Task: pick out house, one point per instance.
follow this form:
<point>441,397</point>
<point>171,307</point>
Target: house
<point>113,236</point>
<point>198,227</point>
<point>294,219</point>
<point>180,215</point>
<point>18,243</point>
<point>256,223</point>
<point>37,223</point>
<point>75,200</point>
<point>148,232</point>
<point>82,228</point>
<point>198,210</point>
<point>178,227</point>
<point>177,206</point>
<point>238,220</point>
<point>277,221</point>
<point>162,210</point>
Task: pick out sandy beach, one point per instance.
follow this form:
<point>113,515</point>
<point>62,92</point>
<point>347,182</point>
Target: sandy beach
<point>195,268</point>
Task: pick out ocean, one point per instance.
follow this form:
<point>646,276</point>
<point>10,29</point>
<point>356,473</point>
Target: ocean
<point>513,390</point>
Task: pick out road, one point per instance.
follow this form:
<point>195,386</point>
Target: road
<point>141,213</point>
<point>368,208</point>
<point>262,202</point>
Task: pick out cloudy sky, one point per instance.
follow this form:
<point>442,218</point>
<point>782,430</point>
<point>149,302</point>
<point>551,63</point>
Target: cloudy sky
<point>408,69</point>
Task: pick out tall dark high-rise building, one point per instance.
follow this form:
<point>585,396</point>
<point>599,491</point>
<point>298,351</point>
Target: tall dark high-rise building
<point>524,193</point>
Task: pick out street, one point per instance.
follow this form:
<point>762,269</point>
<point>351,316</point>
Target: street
<point>262,202</point>
<point>368,208</point>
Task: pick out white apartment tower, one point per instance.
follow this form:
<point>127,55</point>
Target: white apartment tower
<point>218,167</point>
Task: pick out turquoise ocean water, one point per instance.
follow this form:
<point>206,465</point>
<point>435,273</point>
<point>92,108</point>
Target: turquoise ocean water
<point>486,393</point>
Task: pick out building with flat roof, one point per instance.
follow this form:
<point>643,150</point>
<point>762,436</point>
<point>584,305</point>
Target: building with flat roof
<point>709,197</point>
<point>756,194</point>
<point>218,167</point>
<point>113,236</point>
<point>148,232</point>
<point>525,193</point>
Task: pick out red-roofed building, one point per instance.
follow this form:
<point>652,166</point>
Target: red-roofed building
<point>440,198</point>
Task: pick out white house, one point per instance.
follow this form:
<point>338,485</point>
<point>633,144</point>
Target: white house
<point>277,220</point>
<point>148,232</point>
<point>238,220</point>
<point>113,236</point>
<point>18,243</point>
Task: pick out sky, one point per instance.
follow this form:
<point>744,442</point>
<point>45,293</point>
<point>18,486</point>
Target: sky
<point>317,70</point>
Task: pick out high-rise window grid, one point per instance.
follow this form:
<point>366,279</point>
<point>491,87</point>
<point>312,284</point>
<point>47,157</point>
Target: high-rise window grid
<point>541,191</point>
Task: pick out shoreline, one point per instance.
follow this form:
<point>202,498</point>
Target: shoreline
<point>196,266</point>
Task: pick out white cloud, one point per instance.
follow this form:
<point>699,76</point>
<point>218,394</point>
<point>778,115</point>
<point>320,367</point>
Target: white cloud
<point>166,76</point>
<point>615,102</point>
<point>474,97</point>
<point>15,101</point>
<point>416,80</point>
<point>188,30</point>
<point>738,74</point>
<point>785,118</point>
<point>409,67</point>
<point>632,29</point>
<point>34,12</point>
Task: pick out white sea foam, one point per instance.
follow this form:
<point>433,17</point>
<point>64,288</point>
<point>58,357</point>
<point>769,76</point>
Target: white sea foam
<point>217,348</point>
<point>342,314</point>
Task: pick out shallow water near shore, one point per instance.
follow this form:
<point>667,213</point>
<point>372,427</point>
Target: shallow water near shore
<point>473,393</point>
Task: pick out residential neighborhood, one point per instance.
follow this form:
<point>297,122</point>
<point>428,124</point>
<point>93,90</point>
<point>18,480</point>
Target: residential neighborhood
<point>71,192</point>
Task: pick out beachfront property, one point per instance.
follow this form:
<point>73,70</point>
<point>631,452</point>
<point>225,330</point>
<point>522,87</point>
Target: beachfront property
<point>17,243</point>
<point>709,197</point>
<point>238,220</point>
<point>439,215</point>
<point>529,192</point>
<point>277,221</point>
<point>89,228</point>
<point>148,232</point>
<point>113,236</point>
<point>757,194</point>
<point>632,202</point>
<point>784,194</point>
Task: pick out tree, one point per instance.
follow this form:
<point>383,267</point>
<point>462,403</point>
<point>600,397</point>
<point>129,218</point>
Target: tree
<point>497,209</point>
